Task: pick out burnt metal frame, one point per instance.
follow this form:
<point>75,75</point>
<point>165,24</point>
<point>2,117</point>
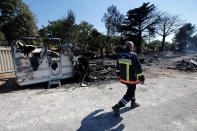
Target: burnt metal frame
<point>45,40</point>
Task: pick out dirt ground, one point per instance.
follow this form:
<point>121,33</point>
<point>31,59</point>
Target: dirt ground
<point>168,103</point>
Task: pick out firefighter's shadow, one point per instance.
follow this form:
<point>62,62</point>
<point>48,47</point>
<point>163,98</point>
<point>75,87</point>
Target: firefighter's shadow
<point>97,121</point>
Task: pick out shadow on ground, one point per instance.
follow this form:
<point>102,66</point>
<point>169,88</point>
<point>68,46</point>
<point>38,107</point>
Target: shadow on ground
<point>10,85</point>
<point>97,121</point>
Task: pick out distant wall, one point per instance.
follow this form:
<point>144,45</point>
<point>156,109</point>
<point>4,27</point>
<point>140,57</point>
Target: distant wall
<point>6,61</point>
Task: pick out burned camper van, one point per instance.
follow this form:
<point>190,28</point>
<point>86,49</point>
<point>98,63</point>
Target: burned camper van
<point>48,62</point>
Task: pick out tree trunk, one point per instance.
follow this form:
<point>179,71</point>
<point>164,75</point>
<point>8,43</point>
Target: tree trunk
<point>102,56</point>
<point>121,40</point>
<point>108,45</point>
<point>163,43</point>
<point>182,47</point>
<point>101,50</point>
<point>139,43</point>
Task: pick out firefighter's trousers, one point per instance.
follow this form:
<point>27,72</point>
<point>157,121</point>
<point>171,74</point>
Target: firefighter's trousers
<point>129,96</point>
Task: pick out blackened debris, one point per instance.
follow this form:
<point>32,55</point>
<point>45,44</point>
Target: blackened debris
<point>54,65</point>
<point>26,49</point>
<point>187,65</point>
<point>34,63</point>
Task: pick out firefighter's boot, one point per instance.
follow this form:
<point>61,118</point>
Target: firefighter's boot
<point>116,110</point>
<point>134,105</point>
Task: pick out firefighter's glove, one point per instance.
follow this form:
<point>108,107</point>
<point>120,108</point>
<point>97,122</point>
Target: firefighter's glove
<point>140,77</point>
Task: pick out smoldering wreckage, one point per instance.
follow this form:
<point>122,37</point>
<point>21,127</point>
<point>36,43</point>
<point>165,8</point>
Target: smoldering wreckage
<point>55,61</point>
<point>186,62</point>
<point>50,63</point>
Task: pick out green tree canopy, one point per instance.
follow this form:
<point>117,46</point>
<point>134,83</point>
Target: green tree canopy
<point>3,41</point>
<point>168,25</point>
<point>98,41</point>
<point>64,28</point>
<point>85,30</point>
<point>16,19</point>
<point>112,19</point>
<point>154,45</point>
<point>184,37</point>
<point>140,23</point>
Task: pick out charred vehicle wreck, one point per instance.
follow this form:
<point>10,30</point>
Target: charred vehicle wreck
<point>48,63</point>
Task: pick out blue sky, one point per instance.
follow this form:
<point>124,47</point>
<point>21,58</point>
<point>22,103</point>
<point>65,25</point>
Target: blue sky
<point>92,10</point>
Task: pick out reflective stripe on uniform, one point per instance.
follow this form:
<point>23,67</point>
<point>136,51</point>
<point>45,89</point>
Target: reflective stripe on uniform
<point>127,62</point>
<point>129,82</point>
<point>127,72</point>
<point>123,101</point>
<point>117,70</point>
<point>124,62</point>
<point>133,98</point>
<point>140,74</point>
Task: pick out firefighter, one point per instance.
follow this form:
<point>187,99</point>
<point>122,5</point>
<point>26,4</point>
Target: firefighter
<point>130,73</point>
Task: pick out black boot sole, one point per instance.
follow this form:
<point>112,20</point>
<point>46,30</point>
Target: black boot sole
<point>116,112</point>
<point>133,107</point>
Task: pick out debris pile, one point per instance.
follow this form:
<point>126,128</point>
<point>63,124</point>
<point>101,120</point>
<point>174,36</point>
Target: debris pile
<point>95,71</point>
<point>105,71</point>
<point>149,58</point>
<point>187,65</point>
